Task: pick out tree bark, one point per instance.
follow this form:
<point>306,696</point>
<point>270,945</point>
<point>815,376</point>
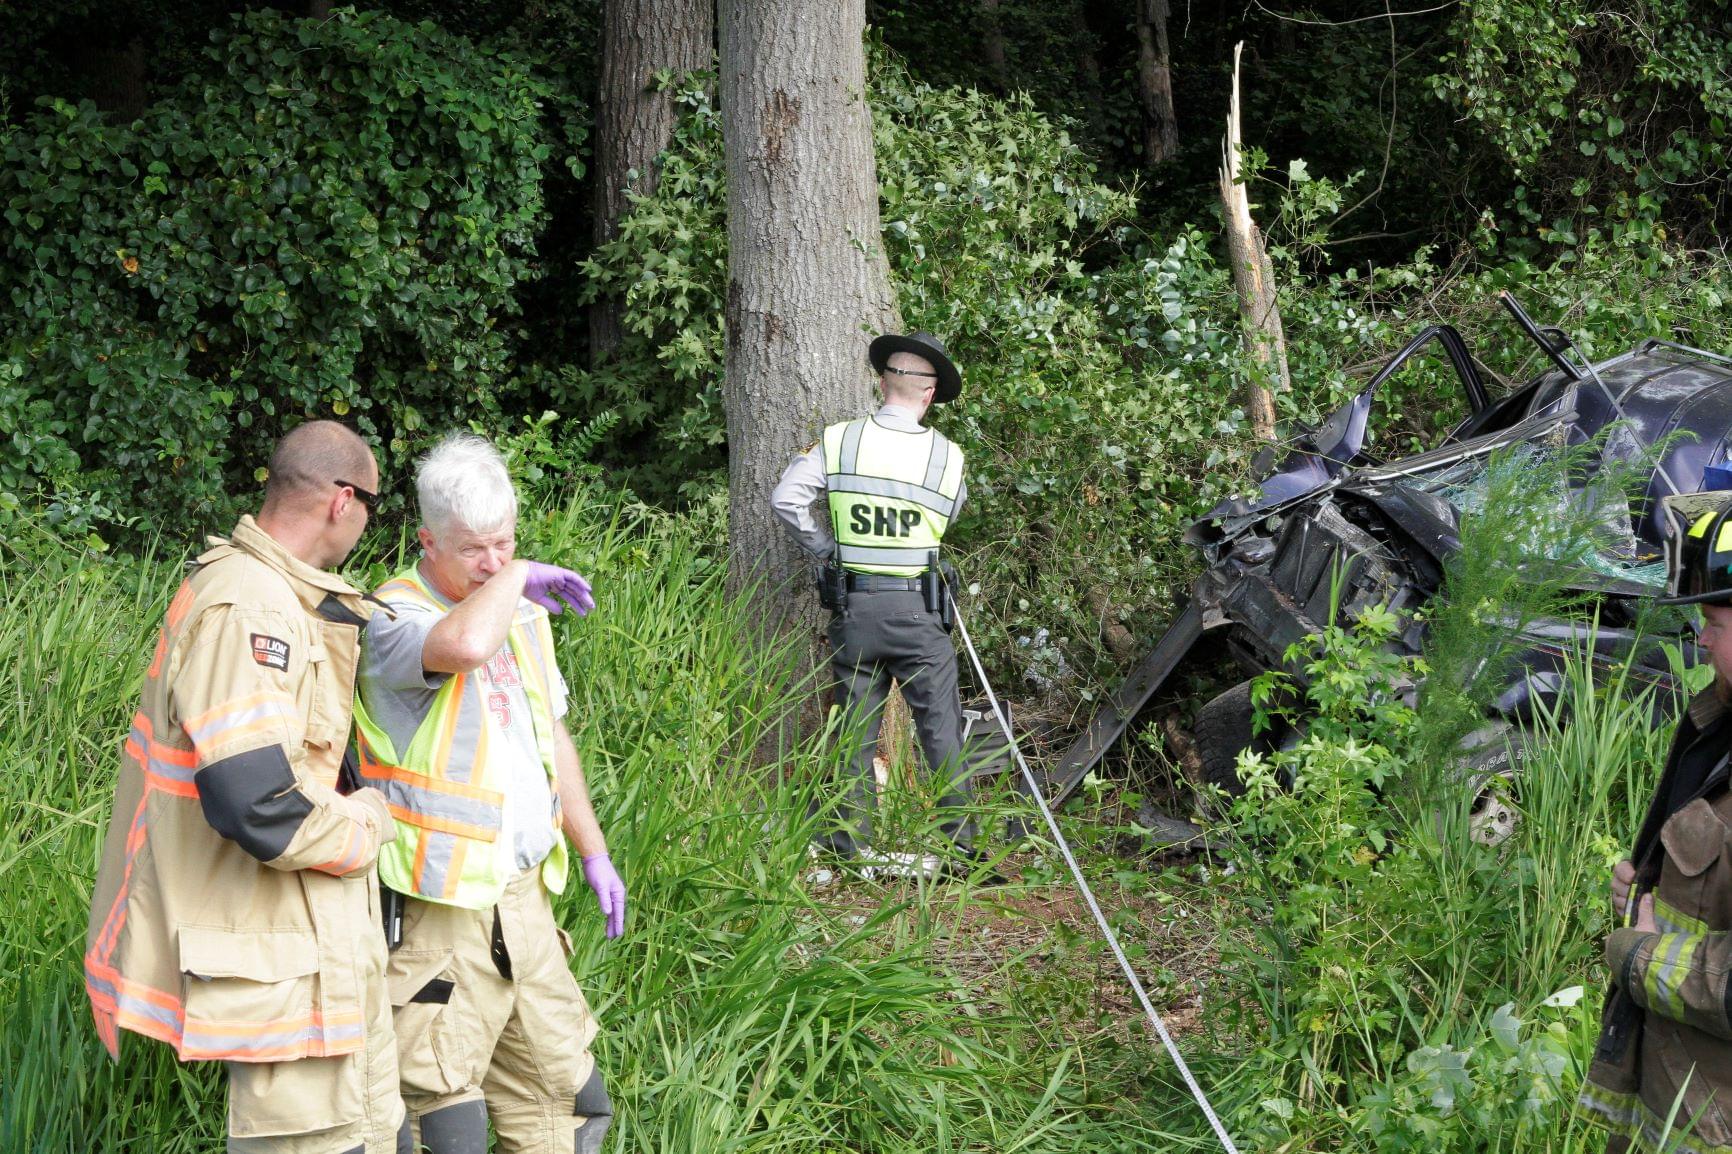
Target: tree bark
<point>808,282</point>
<point>634,122</point>
<point>1254,278</point>
<point>1155,82</point>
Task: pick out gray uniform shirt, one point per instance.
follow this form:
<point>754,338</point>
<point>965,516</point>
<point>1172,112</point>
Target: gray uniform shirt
<point>399,692</point>
<point>805,484</point>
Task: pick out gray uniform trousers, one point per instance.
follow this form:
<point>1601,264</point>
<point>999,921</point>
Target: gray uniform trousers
<point>879,636</point>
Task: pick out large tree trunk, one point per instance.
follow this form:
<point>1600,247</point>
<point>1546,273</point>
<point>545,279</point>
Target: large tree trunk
<point>1254,277</point>
<point>1155,82</point>
<point>633,122</point>
<point>808,283</point>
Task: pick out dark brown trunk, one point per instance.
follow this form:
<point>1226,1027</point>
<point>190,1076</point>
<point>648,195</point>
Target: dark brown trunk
<point>114,75</point>
<point>808,282</point>
<point>633,121</point>
<point>318,9</point>
<point>992,44</point>
<point>1155,82</point>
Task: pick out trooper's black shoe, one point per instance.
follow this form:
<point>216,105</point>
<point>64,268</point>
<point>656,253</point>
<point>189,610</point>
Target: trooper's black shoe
<point>972,866</point>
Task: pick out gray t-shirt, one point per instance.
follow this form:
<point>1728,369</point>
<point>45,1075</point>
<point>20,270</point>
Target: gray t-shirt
<point>399,692</point>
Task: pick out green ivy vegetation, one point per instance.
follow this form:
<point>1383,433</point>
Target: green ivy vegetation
<point>334,220</point>
<point>1615,117</point>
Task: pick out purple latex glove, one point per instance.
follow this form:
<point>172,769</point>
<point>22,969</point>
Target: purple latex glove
<point>598,871</point>
<point>549,585</point>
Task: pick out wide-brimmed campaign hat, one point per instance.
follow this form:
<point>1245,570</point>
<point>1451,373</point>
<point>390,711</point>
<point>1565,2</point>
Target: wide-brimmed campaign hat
<point>921,345</point>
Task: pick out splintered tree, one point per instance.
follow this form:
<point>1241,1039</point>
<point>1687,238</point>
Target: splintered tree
<point>1254,278</point>
<point>634,121</point>
<point>808,283</point>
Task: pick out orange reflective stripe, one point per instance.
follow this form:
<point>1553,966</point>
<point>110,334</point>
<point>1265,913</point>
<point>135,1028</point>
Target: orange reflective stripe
<point>419,873</point>
<point>176,610</point>
<point>310,1036</point>
<point>235,719</point>
<point>165,767</point>
<point>102,948</point>
<point>354,849</point>
<point>178,606</point>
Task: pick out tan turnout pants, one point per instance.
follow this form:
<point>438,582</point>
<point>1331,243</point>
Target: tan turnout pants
<point>345,1105</point>
<point>467,1033</point>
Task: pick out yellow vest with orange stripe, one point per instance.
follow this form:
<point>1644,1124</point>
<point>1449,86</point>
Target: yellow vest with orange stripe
<point>447,789</point>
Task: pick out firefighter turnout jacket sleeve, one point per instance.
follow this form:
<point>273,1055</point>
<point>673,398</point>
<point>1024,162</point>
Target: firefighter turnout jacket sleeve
<point>230,910</point>
<point>1677,1048</point>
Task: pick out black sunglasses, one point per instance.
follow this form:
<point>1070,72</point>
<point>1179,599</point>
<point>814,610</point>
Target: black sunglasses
<point>909,372</point>
<point>366,496</point>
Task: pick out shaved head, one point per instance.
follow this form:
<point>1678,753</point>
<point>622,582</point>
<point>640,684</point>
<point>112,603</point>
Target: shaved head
<point>313,456</point>
<point>907,390</point>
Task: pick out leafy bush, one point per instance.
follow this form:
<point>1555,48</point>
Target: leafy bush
<point>333,221</point>
<point>1615,118</point>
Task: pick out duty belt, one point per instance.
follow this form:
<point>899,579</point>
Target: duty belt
<point>880,583</point>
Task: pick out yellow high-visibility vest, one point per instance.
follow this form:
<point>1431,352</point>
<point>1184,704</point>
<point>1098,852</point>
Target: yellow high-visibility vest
<point>892,494</point>
<point>447,790</point>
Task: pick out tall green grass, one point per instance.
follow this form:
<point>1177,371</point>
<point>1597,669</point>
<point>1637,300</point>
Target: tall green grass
<point>740,1011</point>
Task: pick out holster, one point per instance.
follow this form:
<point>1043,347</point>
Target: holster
<point>936,590</point>
<point>832,582</point>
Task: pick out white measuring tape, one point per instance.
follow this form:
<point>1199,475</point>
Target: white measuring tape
<point>1034,791</point>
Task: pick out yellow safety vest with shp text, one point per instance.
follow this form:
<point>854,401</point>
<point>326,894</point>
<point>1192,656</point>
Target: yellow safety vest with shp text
<point>447,789</point>
<point>891,494</point>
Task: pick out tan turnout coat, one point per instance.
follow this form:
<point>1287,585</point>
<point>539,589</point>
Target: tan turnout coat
<point>1675,1046</point>
<point>234,903</point>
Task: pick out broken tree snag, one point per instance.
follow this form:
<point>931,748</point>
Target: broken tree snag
<point>1155,83</point>
<point>1254,278</point>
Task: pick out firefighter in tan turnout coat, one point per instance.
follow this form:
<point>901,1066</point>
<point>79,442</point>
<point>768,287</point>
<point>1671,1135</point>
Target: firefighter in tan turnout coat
<point>236,913</point>
<point>1665,1046</point>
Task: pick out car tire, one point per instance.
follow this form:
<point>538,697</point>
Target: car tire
<point>1491,768</point>
<point>1223,731</point>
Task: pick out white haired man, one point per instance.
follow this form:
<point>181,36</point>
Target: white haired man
<point>460,723</point>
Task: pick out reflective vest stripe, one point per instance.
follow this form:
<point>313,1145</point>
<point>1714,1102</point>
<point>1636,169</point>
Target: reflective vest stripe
<point>883,487</point>
<point>851,446</point>
<point>863,556</point>
<point>936,463</point>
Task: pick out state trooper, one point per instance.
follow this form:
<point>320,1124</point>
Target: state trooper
<point>890,489</point>
<point>461,723</point>
<point>236,912</point>
<point>1661,1075</point>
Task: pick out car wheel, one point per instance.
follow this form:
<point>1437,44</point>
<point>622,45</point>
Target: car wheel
<point>1491,767</point>
<point>1223,731</point>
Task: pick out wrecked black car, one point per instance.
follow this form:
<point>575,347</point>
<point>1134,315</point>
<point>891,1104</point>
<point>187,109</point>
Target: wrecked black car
<point>1327,513</point>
